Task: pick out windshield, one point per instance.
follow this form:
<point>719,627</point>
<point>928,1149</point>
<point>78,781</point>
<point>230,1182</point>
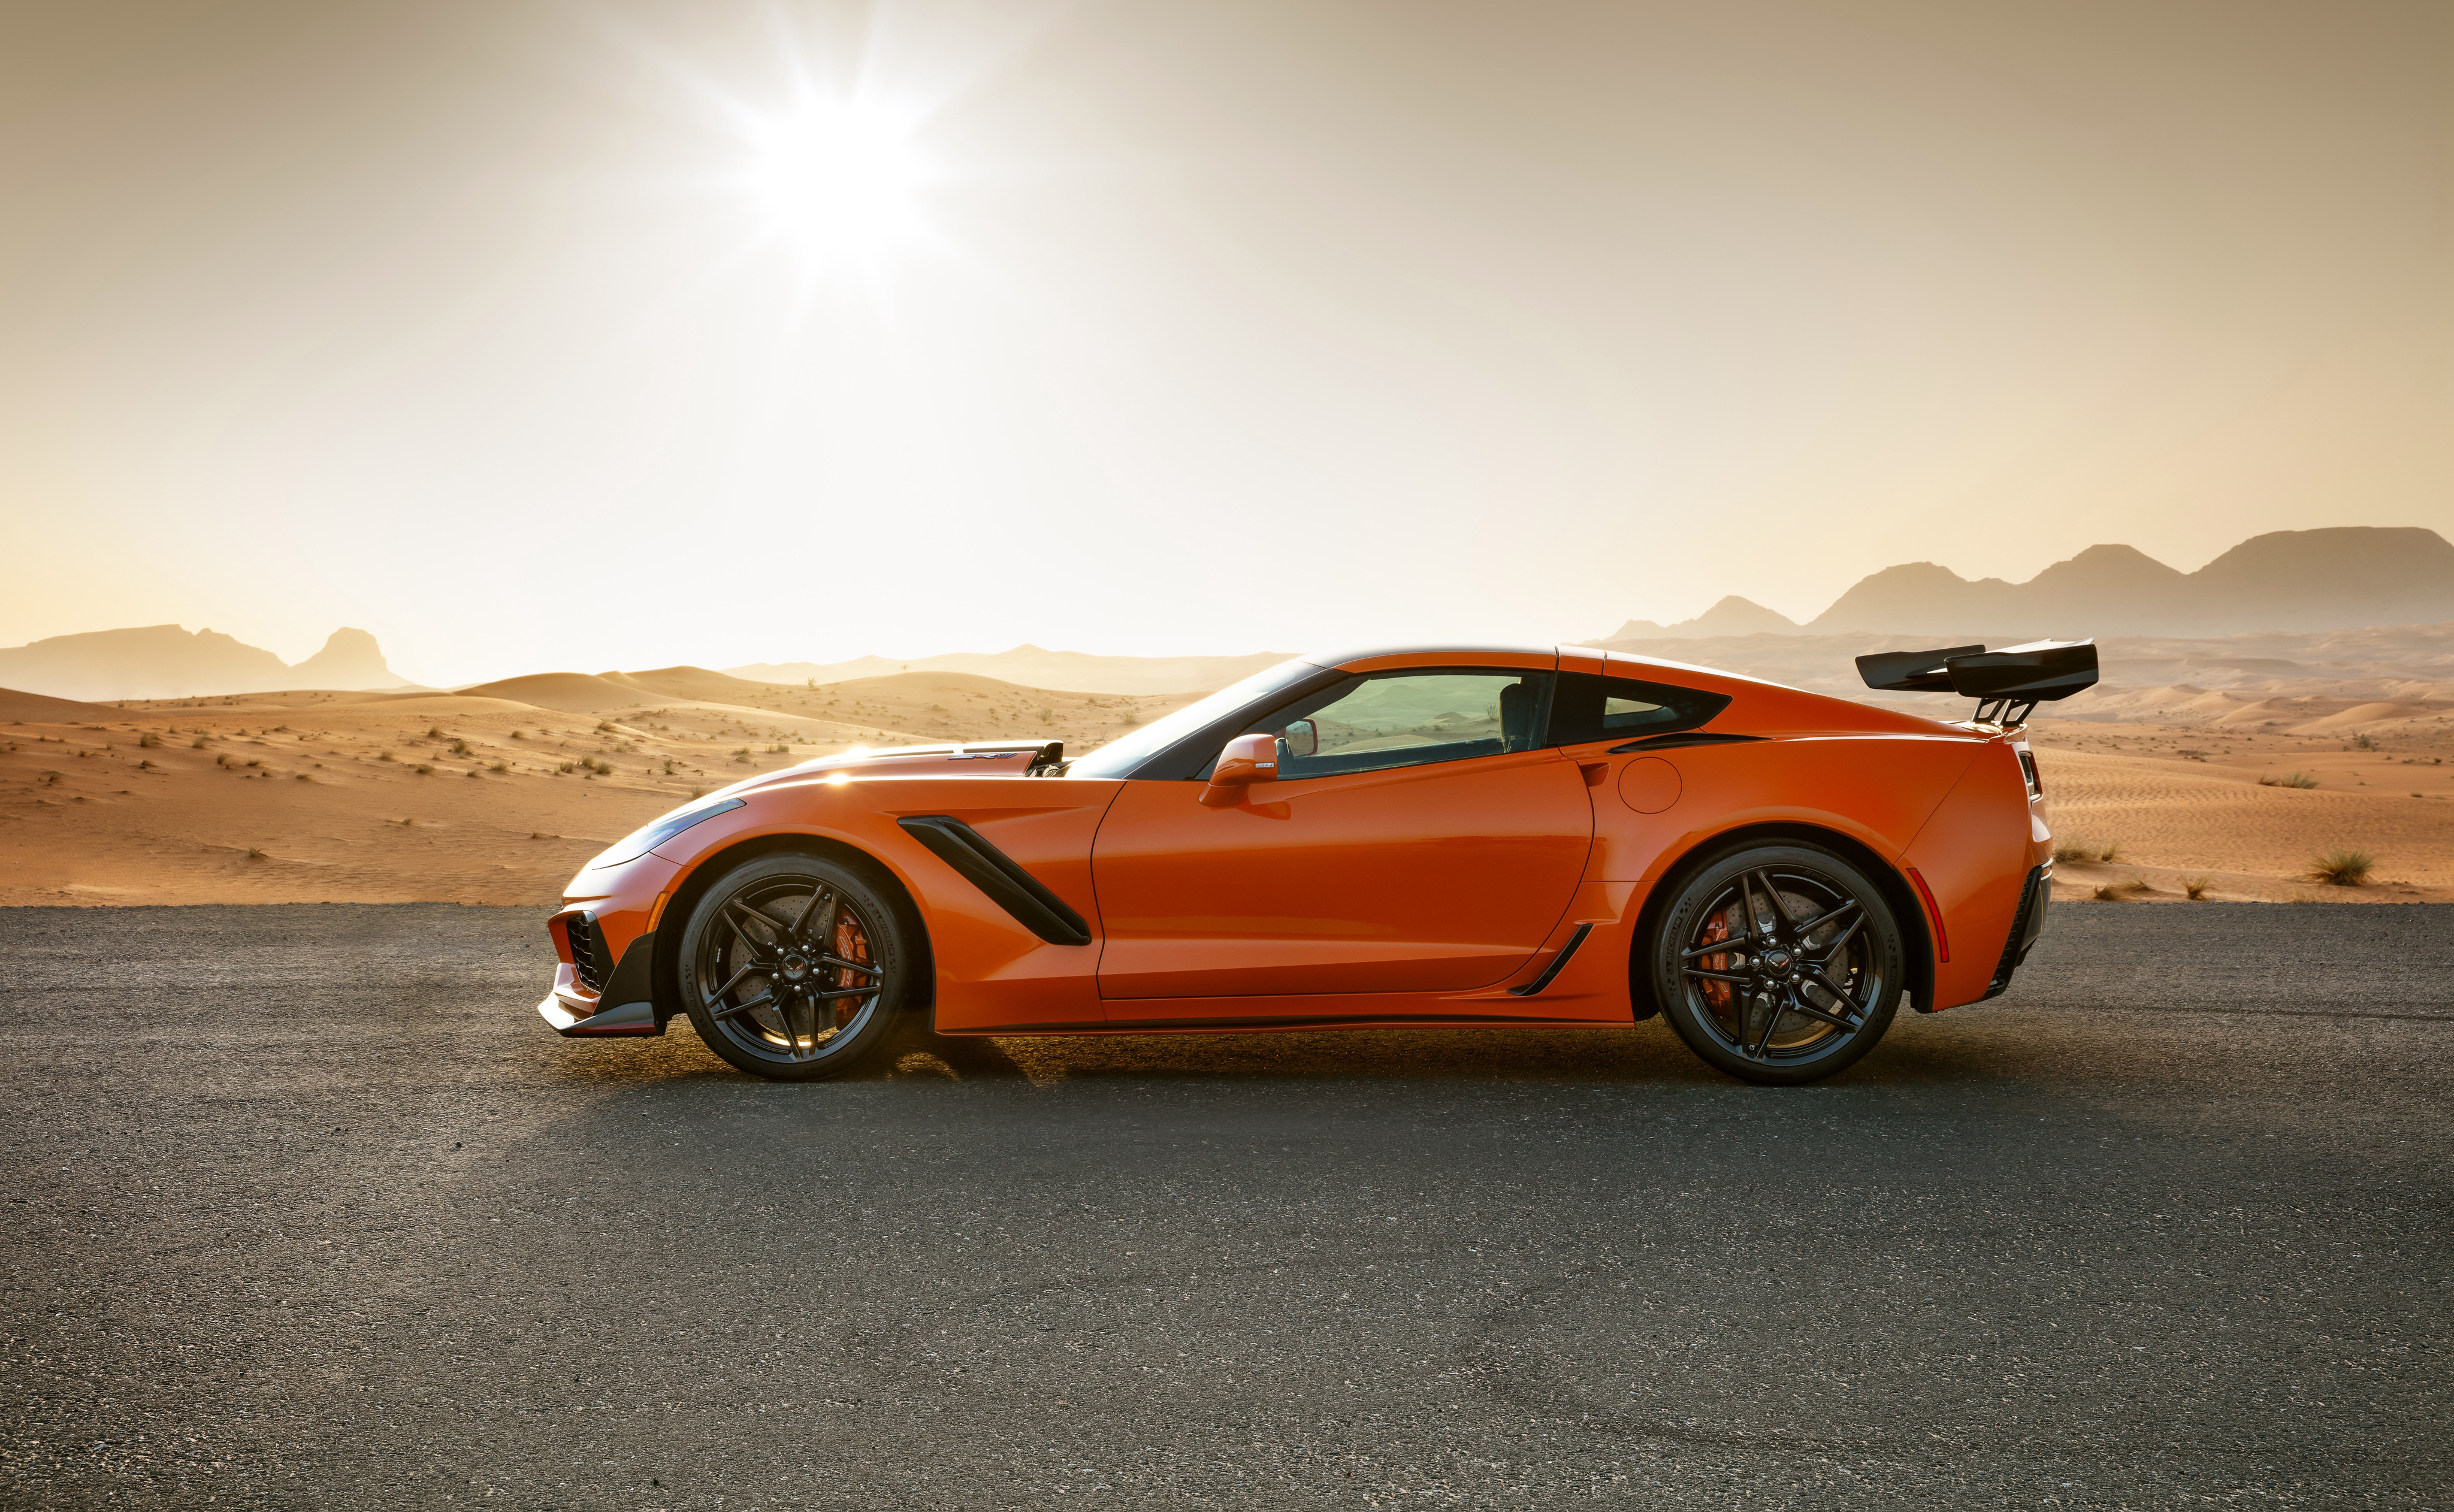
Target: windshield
<point>1118,757</point>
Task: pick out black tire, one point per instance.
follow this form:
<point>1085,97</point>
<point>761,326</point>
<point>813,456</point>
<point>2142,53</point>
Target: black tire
<point>798,968</point>
<point>1805,990</point>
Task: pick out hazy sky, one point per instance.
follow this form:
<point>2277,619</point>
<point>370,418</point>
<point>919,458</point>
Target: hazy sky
<point>590,336</point>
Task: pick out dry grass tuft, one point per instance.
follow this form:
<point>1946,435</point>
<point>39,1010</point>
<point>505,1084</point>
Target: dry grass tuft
<point>2087,850</point>
<point>2289,779</point>
<point>2342,867</point>
<point>2196,888</point>
<point>254,854</point>
<point>2121,891</point>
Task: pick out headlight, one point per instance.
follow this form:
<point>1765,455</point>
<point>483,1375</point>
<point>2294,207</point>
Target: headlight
<point>641,841</point>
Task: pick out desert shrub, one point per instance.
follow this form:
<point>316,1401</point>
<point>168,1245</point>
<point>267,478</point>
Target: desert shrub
<point>2128,887</point>
<point>779,750</point>
<point>2289,779</point>
<point>222,760</point>
<point>2342,867</point>
<point>2366,741</point>
<point>2078,850</point>
<point>563,771</point>
<point>434,732</point>
<point>383,756</point>
<point>698,792</point>
<point>149,740</point>
<point>424,771</point>
<point>500,766</point>
<point>255,853</point>
<point>197,745</point>
<point>460,748</point>
<point>303,776</point>
<point>516,734</point>
<point>144,766</point>
<point>2196,888</point>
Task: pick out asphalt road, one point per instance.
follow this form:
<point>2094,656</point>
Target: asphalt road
<point>306,1209</point>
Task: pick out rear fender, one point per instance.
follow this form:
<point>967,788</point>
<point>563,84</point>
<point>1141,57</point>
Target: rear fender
<point>1974,856</point>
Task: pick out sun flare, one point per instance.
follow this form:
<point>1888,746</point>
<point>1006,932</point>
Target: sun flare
<point>839,178</point>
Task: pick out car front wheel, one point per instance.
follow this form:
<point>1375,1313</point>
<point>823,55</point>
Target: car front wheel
<point>1778,964</point>
<point>795,968</point>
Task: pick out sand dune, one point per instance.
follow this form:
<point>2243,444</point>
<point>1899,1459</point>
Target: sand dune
<point>2366,714</point>
<point>26,708</point>
<point>571,692</point>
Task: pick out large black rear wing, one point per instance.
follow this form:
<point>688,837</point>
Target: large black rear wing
<point>2007,684</point>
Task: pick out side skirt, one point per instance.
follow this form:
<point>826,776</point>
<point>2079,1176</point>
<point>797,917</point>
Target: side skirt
<point>1292,1021</point>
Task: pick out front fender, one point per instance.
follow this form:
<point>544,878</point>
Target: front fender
<point>990,968</point>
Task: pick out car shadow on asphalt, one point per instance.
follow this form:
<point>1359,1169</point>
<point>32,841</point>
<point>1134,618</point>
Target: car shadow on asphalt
<point>1646,1053</point>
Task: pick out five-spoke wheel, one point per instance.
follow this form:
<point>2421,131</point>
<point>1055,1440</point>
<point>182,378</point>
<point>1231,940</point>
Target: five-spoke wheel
<point>1778,964</point>
<point>793,967</point>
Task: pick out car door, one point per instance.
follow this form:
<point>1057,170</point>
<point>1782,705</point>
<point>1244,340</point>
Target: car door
<point>1418,837</point>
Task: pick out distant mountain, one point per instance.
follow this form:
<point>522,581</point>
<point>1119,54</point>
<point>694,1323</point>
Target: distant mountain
<point>1032,667</point>
<point>351,660</point>
<point>164,662</point>
<point>2341,578</point>
<point>1731,617</point>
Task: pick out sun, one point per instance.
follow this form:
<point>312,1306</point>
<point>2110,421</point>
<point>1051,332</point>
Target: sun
<point>839,178</point>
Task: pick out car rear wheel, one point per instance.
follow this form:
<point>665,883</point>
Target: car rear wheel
<point>795,968</point>
<point>1778,964</point>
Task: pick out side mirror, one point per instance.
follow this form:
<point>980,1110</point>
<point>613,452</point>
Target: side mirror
<point>1302,738</point>
<point>1248,758</point>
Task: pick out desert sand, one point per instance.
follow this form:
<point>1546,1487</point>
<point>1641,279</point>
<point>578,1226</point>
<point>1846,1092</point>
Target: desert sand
<point>493,794</point>
<point>496,794</point>
<point>2175,802</point>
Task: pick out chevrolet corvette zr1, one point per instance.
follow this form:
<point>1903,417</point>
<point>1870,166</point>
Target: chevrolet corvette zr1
<point>1423,835</point>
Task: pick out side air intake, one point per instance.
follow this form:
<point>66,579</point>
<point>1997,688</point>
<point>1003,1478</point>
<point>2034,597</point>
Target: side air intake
<point>2007,684</point>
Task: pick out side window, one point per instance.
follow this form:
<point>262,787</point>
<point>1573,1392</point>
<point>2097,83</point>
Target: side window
<point>1379,719</point>
<point>1591,707</point>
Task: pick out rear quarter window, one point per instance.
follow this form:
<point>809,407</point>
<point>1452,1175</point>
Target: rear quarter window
<point>1588,706</point>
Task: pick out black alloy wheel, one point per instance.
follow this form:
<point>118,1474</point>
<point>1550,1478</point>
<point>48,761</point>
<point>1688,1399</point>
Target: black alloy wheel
<point>1778,964</point>
<point>795,968</point>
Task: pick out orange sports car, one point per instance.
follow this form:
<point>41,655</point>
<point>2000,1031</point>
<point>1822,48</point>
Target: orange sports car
<point>1416,837</point>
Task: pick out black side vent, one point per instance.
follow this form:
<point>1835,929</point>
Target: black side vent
<point>2025,926</point>
<point>997,874</point>
<point>584,952</point>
